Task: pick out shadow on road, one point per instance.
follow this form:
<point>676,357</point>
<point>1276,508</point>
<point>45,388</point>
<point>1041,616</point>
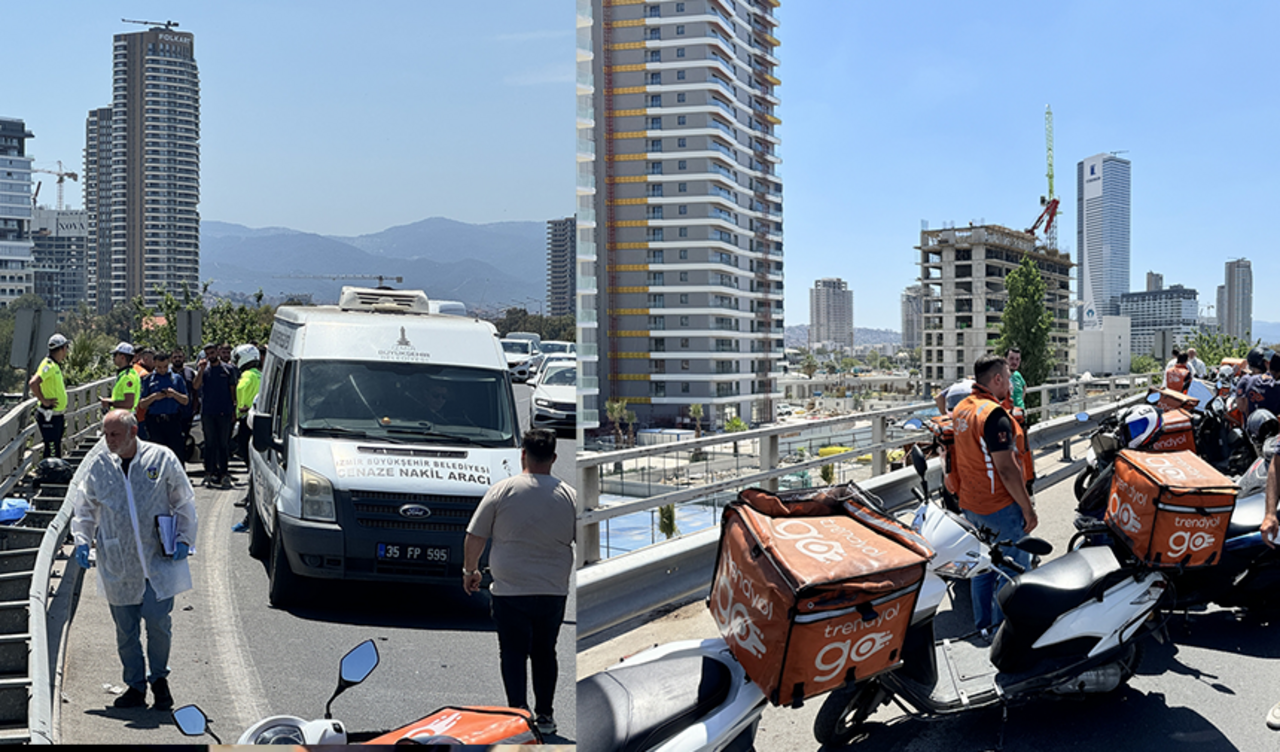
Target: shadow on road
<point>397,605</point>
<point>1125,719</point>
<point>135,718</point>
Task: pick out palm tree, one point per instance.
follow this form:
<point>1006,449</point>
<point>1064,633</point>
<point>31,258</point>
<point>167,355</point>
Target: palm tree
<point>695,412</point>
<point>616,409</point>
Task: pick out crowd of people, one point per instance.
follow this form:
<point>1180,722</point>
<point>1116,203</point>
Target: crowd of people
<point>165,394</point>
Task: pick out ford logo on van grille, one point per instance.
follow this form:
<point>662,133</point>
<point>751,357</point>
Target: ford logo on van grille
<point>414,511</point>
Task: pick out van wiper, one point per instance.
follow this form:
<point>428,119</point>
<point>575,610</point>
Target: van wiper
<point>429,434</point>
<point>353,433</point>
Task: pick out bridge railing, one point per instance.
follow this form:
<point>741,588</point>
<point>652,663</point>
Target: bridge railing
<point>611,590</point>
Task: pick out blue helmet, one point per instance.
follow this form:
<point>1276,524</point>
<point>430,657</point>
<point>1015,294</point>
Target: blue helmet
<point>1140,425</point>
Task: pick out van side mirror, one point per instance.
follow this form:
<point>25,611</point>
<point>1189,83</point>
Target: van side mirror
<point>262,438</point>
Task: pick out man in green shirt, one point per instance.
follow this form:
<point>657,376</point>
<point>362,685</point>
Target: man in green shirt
<point>128,387</point>
<point>51,391</point>
<point>1019,384</point>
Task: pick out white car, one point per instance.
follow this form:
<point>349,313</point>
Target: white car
<point>554,401</point>
<point>520,355</point>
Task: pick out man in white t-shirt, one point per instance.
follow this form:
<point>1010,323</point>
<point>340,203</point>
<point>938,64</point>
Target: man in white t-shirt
<point>532,519</point>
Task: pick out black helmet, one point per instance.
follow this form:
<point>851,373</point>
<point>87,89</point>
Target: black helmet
<point>1261,425</point>
<point>1259,358</point>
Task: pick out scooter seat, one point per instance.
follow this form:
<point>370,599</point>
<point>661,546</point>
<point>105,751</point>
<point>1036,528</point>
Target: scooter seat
<point>1040,596</point>
<point>634,708</point>
<point>1248,514</point>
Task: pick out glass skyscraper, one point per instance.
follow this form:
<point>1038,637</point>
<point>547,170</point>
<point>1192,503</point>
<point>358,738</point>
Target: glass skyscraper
<point>1102,235</point>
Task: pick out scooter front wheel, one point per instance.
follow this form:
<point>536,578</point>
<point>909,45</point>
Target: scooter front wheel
<point>843,712</point>
<point>1083,480</point>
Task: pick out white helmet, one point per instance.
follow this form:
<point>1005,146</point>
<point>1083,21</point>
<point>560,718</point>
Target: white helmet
<point>244,354</point>
<point>1140,425</point>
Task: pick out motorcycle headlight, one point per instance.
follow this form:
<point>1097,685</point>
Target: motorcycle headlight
<point>317,497</point>
<point>282,734</point>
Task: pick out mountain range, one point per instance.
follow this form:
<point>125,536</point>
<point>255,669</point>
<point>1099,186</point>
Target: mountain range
<point>484,266</point>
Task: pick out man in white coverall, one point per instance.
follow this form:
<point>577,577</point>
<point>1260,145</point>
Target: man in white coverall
<point>118,493</point>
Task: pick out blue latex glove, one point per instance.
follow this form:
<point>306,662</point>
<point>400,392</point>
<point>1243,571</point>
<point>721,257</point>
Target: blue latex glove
<point>82,556</point>
<point>180,551</point>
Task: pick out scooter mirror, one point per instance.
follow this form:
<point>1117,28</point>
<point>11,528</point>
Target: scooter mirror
<point>1034,546</point>
<point>1153,398</point>
<point>918,460</point>
<point>1082,417</point>
<point>359,663</point>
<point>915,424</point>
<point>190,720</point>
<point>355,668</point>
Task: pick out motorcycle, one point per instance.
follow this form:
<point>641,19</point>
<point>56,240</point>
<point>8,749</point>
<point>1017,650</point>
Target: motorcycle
<point>1248,574</point>
<point>448,726</point>
<point>1075,625</point>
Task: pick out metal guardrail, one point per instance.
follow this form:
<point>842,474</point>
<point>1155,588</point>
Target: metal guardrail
<point>621,588</point>
<point>28,550</point>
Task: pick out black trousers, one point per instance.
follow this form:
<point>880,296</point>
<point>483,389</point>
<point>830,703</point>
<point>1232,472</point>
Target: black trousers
<point>51,434</point>
<point>217,443</point>
<point>528,626</point>
<point>166,430</point>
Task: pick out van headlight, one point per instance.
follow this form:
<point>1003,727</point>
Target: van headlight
<point>540,402</point>
<point>317,497</point>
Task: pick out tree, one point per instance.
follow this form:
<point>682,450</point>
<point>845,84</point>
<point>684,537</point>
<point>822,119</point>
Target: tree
<point>695,412</point>
<point>1144,364</point>
<point>1026,325</point>
<point>809,366</point>
<point>616,410</point>
<point>735,425</point>
<point>1212,347</point>
<point>828,474</point>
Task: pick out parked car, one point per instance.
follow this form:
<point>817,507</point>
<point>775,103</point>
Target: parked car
<point>554,401</point>
<point>520,355</point>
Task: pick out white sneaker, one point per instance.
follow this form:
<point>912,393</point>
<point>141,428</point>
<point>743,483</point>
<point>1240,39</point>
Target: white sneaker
<point>1273,717</point>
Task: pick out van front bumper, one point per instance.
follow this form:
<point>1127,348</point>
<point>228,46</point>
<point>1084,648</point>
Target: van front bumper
<point>325,550</point>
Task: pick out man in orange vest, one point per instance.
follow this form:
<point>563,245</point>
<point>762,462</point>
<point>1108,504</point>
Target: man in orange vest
<point>989,458</point>
<point>1178,377</point>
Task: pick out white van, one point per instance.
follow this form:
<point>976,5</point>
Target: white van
<point>378,428</point>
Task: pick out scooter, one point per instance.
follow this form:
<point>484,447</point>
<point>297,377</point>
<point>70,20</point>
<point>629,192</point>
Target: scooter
<point>445,727</point>
<point>1248,574</point>
<point>683,696</point>
<point>1075,625</point>
<point>355,667</point>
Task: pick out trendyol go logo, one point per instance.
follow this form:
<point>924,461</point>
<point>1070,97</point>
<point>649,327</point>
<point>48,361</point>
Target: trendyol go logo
<point>833,658</point>
<point>1182,541</point>
<point>1125,517</point>
<point>809,541</point>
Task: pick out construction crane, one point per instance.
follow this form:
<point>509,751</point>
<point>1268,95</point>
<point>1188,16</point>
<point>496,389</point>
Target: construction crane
<point>1050,203</point>
<point>166,24</point>
<point>61,177</point>
<point>380,277</point>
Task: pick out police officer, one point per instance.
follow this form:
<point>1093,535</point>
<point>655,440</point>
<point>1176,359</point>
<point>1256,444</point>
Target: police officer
<point>125,394</point>
<point>164,393</point>
<point>51,391</point>
<point>987,440</point>
<point>247,360</point>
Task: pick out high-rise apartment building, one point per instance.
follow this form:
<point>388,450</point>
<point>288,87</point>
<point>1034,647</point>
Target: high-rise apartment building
<point>911,300</point>
<point>58,266</point>
<point>962,272</point>
<point>561,234</point>
<point>1102,232</point>
<point>1154,281</point>
<point>142,200</point>
<point>1237,320</point>
<point>690,207</point>
<point>830,314</point>
<point>15,210</point>
<point>585,261</point>
<point>1173,310</point>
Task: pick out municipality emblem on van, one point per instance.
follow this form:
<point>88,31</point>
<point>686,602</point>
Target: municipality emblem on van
<point>414,511</point>
<point>403,341</point>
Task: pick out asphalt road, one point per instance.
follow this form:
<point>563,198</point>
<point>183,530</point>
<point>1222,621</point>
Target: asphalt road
<point>1209,689</point>
<point>241,660</point>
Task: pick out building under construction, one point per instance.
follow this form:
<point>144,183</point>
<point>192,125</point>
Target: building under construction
<point>962,273</point>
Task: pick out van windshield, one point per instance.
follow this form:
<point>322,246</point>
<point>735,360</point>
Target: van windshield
<point>406,402</point>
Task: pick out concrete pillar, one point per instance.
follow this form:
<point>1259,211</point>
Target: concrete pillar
<point>588,498</point>
<point>878,457</point>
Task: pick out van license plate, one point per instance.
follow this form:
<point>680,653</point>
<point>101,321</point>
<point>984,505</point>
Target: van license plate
<point>412,553</point>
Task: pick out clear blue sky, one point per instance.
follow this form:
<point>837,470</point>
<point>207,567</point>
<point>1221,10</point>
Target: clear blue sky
<point>333,117</point>
<point>895,113</point>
